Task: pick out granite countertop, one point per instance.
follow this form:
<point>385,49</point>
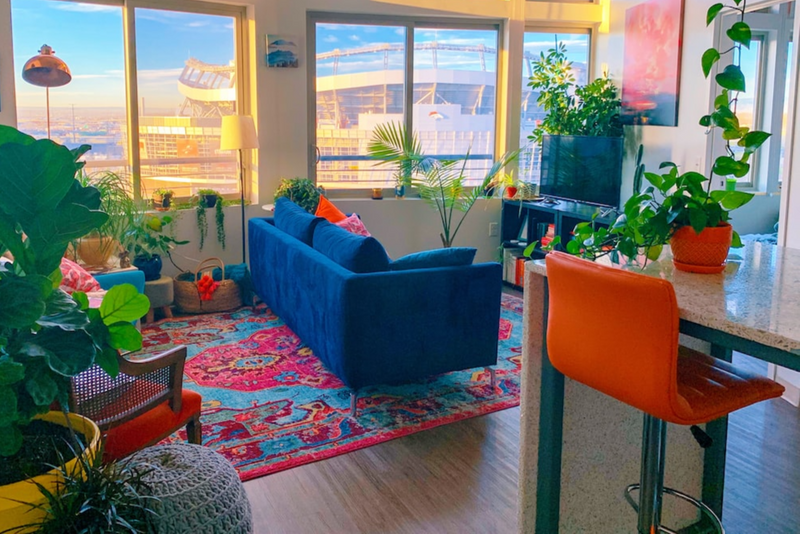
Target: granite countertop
<point>757,297</point>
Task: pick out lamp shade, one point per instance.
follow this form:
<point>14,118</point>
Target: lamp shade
<point>238,132</point>
<point>46,70</point>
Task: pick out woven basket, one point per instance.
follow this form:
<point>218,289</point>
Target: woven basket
<point>226,297</point>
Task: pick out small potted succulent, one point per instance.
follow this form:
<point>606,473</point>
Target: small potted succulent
<point>162,199</point>
<point>682,208</point>
<point>147,242</point>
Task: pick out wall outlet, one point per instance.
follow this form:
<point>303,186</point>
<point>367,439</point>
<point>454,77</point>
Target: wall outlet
<point>493,229</point>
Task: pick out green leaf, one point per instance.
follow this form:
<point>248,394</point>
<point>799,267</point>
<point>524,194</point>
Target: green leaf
<point>698,219</point>
<point>740,33</point>
<point>710,58</point>
<point>705,121</point>
<point>654,179</point>
<point>66,353</point>
<point>108,361</point>
<point>736,241</point>
<point>574,248</point>
<point>732,79</point>
<point>10,371</point>
<point>34,178</point>
<point>10,440</point>
<point>42,389</point>
<point>528,252</point>
<point>124,336</point>
<point>713,11</point>
<point>735,199</point>
<point>23,299</point>
<point>82,300</point>
<point>8,406</point>
<point>752,141</point>
<point>63,312</point>
<point>722,100</point>
<point>123,303</point>
<point>727,166</point>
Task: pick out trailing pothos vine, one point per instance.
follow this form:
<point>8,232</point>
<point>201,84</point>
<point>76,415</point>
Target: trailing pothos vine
<point>673,199</point>
<point>208,198</point>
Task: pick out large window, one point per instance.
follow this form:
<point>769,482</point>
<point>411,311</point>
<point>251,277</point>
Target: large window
<point>161,123</point>
<point>535,44</point>
<point>362,75</point>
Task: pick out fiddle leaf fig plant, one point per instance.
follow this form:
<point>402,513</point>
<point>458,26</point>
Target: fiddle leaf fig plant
<point>46,335</point>
<point>673,199</point>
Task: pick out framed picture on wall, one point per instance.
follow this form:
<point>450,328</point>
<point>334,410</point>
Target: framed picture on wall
<point>651,77</point>
<point>282,52</point>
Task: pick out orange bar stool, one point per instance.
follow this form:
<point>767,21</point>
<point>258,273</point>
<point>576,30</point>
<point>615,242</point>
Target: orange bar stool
<point>643,367</point>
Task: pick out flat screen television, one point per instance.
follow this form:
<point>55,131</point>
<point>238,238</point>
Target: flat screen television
<point>585,169</point>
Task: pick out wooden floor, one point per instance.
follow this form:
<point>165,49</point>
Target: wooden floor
<point>462,478</point>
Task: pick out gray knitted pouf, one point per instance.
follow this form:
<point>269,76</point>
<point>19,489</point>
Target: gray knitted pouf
<point>199,491</point>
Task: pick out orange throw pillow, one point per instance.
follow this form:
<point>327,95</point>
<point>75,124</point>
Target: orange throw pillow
<point>327,210</point>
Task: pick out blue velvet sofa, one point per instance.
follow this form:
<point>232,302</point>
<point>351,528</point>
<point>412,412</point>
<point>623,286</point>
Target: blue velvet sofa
<point>377,327</point>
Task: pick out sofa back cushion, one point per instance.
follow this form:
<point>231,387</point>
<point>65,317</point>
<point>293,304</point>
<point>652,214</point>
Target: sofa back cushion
<point>355,253</point>
<point>295,221</point>
<point>440,257</point>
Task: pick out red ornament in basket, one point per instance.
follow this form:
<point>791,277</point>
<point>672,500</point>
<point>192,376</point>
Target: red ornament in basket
<point>206,287</point>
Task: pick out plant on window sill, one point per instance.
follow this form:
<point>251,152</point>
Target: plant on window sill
<point>440,183</point>
<point>675,200</point>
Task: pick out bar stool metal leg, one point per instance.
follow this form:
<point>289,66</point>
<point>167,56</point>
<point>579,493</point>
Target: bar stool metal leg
<point>651,482</point>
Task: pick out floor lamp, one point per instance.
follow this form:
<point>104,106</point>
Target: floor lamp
<point>239,133</point>
<point>46,70</point>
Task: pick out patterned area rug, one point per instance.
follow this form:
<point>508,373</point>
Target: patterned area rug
<point>269,404</point>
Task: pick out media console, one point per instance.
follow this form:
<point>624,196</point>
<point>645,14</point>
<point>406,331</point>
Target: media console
<point>526,221</point>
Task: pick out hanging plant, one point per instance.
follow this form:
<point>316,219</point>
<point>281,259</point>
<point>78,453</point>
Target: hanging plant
<point>202,223</point>
<point>220,219</point>
<point>208,198</point>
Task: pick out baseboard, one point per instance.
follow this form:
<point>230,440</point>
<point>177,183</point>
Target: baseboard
<point>792,393</point>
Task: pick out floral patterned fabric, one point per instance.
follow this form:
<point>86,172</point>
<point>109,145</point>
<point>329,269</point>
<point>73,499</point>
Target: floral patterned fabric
<point>353,225</point>
<point>76,278</point>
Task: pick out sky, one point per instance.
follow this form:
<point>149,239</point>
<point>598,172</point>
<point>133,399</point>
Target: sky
<point>89,39</point>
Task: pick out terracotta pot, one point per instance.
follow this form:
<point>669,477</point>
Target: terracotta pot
<point>18,500</point>
<point>95,251</point>
<point>705,252</point>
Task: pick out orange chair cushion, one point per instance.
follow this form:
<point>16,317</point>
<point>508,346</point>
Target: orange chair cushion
<point>150,427</point>
<point>327,210</point>
<point>710,388</point>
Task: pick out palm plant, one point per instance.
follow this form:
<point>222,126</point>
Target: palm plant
<point>441,183</point>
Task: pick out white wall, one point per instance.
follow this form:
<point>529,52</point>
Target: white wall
<point>686,144</point>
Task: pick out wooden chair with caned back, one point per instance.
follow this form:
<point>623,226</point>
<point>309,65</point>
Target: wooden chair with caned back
<point>144,404</point>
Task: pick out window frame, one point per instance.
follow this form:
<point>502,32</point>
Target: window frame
<point>241,55</point>
<point>410,23</point>
<point>565,27</point>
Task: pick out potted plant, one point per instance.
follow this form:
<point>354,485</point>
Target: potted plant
<point>146,242</point>
<point>162,199</point>
<point>97,497</point>
<point>581,135</point>
<point>301,191</point>
<point>683,209</point>
<point>117,200</point>
<point>208,198</point>
<point>440,183</point>
<point>47,336</point>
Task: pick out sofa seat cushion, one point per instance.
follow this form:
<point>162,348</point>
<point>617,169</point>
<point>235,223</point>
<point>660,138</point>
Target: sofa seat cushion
<point>355,253</point>
<point>295,221</point>
<point>440,257</point>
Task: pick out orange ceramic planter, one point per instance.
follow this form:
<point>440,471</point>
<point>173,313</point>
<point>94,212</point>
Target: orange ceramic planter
<point>705,252</point>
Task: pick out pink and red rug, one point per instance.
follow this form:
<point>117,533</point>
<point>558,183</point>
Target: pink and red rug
<point>269,404</point>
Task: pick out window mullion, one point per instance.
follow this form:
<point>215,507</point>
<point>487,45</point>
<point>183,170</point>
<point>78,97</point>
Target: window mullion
<point>132,94</point>
<point>408,111</point>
